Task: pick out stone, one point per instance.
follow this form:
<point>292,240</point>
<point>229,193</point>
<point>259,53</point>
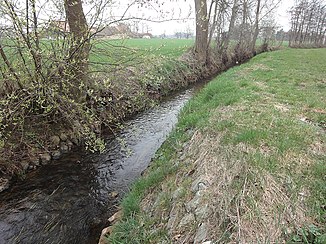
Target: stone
<point>63,137</point>
<point>105,232</point>
<point>4,184</point>
<point>114,194</point>
<point>45,158</point>
<point>64,148</point>
<point>115,217</point>
<point>178,193</point>
<point>70,144</point>
<point>56,154</point>
<point>31,167</point>
<point>202,212</point>
<point>195,202</point>
<point>201,234</point>
<point>24,165</point>
<point>172,220</point>
<point>55,141</point>
<point>187,220</point>
<point>199,185</point>
<point>35,161</point>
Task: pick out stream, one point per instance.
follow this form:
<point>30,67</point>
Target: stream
<point>69,200</point>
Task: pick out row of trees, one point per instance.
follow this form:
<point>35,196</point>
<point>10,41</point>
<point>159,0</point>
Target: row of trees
<point>308,23</point>
<point>217,21</point>
<point>236,23</point>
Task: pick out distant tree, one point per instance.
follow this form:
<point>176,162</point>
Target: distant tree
<point>188,32</point>
<point>308,23</point>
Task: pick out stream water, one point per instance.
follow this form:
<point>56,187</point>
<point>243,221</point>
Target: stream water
<point>68,201</point>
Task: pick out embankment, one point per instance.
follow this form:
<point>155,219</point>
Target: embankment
<point>245,163</point>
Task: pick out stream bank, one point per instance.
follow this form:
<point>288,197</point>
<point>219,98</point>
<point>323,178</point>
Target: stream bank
<point>44,141</point>
<point>53,198</point>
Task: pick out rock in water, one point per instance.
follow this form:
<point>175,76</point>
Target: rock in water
<point>63,137</point>
<point>55,140</point>
<point>56,154</point>
<point>45,158</point>
<point>114,194</point>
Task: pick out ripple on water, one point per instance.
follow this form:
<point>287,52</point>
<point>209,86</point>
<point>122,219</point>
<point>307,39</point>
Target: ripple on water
<point>68,200</point>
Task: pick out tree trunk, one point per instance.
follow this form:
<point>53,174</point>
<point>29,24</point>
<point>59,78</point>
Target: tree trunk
<point>79,50</point>
<point>201,30</point>
<point>256,31</point>
<point>243,24</point>
<point>232,23</point>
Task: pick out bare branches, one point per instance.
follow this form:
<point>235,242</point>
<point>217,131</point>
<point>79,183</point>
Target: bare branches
<point>308,23</point>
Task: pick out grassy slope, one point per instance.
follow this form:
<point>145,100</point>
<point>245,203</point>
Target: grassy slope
<point>261,126</point>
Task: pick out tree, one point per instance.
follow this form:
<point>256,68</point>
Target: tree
<point>79,50</point>
<point>234,13</point>
<point>201,30</point>
<point>256,27</point>
<point>308,23</point>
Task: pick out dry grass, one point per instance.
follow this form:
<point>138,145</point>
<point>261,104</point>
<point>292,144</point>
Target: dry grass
<point>247,205</point>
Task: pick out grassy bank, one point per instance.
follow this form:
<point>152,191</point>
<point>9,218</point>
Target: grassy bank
<point>246,162</point>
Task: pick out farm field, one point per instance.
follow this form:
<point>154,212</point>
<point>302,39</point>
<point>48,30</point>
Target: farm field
<point>115,52</point>
<point>119,51</point>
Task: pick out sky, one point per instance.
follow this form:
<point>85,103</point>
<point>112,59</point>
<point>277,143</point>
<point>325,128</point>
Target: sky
<point>283,18</point>
<point>181,9</point>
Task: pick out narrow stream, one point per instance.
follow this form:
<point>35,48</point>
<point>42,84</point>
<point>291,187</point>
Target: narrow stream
<point>68,201</point>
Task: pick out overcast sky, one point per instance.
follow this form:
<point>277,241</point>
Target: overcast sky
<point>180,9</point>
<point>168,9</point>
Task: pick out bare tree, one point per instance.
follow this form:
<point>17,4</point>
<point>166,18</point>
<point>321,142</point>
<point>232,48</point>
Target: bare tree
<point>308,24</point>
<point>256,26</point>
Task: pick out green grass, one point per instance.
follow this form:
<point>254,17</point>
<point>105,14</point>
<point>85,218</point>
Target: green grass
<point>125,52</point>
<point>275,105</point>
<point>119,51</point>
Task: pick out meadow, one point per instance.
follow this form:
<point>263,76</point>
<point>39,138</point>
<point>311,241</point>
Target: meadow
<point>121,51</point>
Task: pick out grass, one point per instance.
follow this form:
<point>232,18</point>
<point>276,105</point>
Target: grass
<point>120,51</point>
<point>262,126</point>
<point>127,52</point>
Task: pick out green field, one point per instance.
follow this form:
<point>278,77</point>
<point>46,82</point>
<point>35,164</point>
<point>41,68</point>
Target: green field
<point>255,136</point>
<point>120,51</point>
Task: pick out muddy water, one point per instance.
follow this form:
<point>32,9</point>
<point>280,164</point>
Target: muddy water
<point>68,201</point>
